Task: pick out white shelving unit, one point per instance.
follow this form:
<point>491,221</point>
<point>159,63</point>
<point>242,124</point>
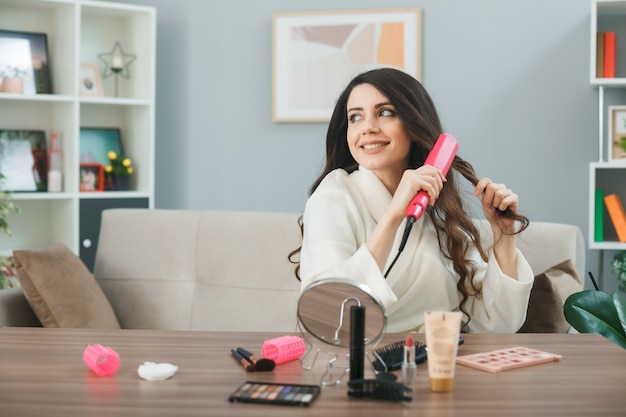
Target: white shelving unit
<point>607,15</point>
<point>77,31</point>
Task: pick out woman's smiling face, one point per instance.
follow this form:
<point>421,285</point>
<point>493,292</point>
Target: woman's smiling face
<point>376,136</point>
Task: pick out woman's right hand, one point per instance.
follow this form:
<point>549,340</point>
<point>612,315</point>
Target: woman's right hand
<point>425,178</point>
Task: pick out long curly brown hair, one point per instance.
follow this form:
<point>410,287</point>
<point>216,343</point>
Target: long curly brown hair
<point>417,111</point>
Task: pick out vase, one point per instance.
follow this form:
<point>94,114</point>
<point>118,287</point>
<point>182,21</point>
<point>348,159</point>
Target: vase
<point>120,182</point>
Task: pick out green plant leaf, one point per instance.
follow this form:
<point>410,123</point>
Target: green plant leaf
<point>620,308</point>
<point>597,312</point>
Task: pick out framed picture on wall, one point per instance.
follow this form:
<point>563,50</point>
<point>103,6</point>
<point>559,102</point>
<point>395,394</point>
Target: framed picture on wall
<point>25,54</point>
<point>617,134</point>
<point>315,54</point>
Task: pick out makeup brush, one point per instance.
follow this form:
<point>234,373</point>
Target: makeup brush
<point>247,365</point>
<point>260,364</point>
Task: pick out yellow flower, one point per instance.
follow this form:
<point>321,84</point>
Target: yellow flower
<point>119,165</point>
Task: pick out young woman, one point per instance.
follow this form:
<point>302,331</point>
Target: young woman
<point>382,128</point>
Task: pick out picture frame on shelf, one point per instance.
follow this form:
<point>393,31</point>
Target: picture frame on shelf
<point>91,177</point>
<point>617,134</point>
<point>90,83</point>
<point>96,142</point>
<point>27,54</point>
<point>23,160</point>
<point>316,54</point>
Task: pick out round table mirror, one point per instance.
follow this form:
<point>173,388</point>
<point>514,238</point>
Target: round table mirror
<point>324,310</point>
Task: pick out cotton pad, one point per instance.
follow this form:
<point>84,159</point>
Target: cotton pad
<point>151,371</point>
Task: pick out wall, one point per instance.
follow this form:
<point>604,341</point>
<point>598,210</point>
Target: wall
<point>510,79</point>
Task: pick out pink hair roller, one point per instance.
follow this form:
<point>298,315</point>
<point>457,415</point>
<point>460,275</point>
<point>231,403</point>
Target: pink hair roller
<point>283,349</point>
<point>103,360</point>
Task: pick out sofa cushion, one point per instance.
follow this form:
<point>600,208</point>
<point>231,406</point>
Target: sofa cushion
<point>199,270</point>
<point>61,290</point>
<point>549,292</point>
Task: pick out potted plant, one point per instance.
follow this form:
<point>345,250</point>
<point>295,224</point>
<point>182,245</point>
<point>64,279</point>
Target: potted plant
<point>12,81</point>
<point>7,274</point>
<point>594,311</point>
<point>118,171</point>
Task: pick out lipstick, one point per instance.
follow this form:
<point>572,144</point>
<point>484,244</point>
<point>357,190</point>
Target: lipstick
<point>409,368</point>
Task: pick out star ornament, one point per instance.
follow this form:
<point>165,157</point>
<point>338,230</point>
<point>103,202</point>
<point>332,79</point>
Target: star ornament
<point>117,62</point>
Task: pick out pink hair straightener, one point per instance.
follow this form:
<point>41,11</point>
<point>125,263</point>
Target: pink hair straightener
<point>441,156</point>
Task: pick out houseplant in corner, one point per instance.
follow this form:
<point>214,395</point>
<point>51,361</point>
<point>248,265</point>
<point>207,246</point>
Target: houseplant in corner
<point>594,311</point>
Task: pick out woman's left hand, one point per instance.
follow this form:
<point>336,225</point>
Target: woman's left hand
<point>497,197</point>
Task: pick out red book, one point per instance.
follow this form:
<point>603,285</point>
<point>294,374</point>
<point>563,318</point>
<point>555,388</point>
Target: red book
<point>610,44</point>
<point>617,214</point>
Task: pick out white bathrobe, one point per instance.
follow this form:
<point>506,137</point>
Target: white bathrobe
<point>338,219</point>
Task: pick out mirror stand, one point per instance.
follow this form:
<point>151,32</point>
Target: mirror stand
<point>322,313</point>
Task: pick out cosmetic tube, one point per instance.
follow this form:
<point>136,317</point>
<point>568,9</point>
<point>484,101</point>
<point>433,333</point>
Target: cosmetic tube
<point>442,338</point>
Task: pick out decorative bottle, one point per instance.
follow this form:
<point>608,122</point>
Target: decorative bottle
<point>55,164</point>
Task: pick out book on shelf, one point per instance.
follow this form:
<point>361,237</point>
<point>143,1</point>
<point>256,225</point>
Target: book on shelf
<point>610,45</point>
<point>598,212</point>
<point>600,55</point>
<point>618,217</point>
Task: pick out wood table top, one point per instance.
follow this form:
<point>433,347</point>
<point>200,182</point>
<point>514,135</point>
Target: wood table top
<point>42,374</point>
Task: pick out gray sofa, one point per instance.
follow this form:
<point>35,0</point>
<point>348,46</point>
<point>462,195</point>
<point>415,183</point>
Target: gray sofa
<point>212,270</point>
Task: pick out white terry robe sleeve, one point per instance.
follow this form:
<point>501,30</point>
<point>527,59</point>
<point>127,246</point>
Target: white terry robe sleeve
<point>504,301</point>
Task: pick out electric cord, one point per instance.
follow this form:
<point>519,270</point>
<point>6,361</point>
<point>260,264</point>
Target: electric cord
<point>407,230</point>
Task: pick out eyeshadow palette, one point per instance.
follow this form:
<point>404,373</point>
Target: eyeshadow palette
<point>273,393</point>
<point>505,359</point>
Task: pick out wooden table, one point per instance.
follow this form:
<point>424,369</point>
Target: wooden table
<point>42,374</point>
